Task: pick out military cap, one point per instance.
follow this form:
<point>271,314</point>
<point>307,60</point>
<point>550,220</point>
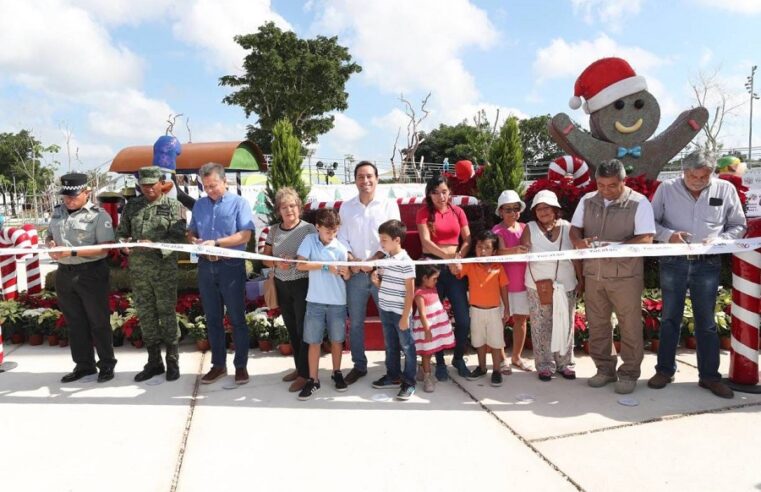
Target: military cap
<point>149,175</point>
<point>73,184</point>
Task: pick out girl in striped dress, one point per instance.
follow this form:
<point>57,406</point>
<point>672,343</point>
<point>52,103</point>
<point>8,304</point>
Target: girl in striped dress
<point>431,329</point>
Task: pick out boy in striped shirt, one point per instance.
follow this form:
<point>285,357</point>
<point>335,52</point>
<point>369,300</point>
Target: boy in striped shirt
<point>396,288</point>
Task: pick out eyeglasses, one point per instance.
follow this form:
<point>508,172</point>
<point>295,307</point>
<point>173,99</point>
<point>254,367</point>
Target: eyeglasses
<point>508,210</point>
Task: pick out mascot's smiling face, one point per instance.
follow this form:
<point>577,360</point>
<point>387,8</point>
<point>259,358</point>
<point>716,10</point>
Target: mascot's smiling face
<point>627,121</point>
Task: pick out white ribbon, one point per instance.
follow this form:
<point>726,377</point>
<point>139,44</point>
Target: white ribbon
<point>612,251</point>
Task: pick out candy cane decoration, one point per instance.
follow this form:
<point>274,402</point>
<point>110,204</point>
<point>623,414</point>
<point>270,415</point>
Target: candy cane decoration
<point>460,201</point>
<point>746,303</point>
<point>33,278</point>
<point>261,241</point>
<point>17,238</point>
<point>574,166</point>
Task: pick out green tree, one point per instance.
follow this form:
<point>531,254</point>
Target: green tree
<point>293,78</point>
<point>505,169</point>
<point>23,171</point>
<point>448,142</point>
<point>538,145</point>
<point>285,166</point>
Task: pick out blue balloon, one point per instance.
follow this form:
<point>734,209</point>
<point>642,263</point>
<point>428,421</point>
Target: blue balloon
<point>165,152</point>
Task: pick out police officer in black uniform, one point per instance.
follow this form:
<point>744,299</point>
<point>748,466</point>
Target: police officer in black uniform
<point>81,282</point>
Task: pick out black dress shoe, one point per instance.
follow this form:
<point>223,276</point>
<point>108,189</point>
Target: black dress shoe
<point>77,374</point>
<point>106,375</point>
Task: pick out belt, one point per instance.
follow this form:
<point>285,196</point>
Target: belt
<point>484,308</point>
<point>210,257</point>
<point>698,257</point>
<point>80,266</point>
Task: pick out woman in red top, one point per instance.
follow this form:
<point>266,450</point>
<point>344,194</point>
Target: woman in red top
<point>444,234</point>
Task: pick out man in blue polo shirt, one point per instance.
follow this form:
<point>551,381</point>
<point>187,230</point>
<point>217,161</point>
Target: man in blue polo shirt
<point>222,219</point>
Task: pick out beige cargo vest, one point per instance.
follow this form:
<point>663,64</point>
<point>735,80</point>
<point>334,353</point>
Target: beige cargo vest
<point>614,223</point>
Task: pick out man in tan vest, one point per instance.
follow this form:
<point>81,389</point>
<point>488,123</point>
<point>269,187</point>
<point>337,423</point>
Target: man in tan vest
<point>613,214</point>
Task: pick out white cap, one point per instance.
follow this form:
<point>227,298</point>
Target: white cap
<point>545,196</point>
<point>509,196</point>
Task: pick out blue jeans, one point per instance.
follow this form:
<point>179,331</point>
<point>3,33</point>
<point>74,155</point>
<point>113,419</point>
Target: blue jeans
<point>456,290</point>
<point>398,340</point>
<point>222,284</point>
<point>358,290</point>
<point>702,278</point>
<point>322,317</point>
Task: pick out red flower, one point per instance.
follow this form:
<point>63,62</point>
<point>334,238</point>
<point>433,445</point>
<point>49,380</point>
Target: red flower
<point>130,325</point>
<point>580,322</point>
<point>60,323</point>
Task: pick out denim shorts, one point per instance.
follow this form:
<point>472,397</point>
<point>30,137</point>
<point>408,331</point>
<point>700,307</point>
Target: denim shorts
<point>321,316</point>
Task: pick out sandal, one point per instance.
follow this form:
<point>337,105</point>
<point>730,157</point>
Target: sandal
<point>522,366</point>
<point>504,368</point>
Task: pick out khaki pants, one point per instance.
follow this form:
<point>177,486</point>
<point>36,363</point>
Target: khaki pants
<point>624,296</point>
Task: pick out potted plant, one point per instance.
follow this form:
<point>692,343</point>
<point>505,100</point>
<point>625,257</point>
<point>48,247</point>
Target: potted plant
<point>580,331</point>
<point>132,331</point>
<point>616,333</point>
<point>62,329</point>
<point>260,325</point>
<point>47,321</point>
<point>688,334</point>
<point>197,331</point>
<point>34,330</point>
<point>722,326</point>
<point>117,323</point>
<point>280,336</point>
<point>11,320</point>
<point>652,306</point>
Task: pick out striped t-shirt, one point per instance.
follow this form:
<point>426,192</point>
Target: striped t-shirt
<point>286,242</point>
<point>393,291</point>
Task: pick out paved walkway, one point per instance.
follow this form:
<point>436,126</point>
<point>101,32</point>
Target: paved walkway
<point>526,435</point>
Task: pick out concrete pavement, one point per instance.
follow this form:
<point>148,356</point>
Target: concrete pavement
<point>184,436</point>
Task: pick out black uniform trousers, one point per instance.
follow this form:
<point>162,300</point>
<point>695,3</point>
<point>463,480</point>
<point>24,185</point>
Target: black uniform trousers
<point>82,292</point>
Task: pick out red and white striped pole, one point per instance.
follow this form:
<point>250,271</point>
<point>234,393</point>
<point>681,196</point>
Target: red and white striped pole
<point>33,277</point>
<point>11,237</point>
<point>746,304</point>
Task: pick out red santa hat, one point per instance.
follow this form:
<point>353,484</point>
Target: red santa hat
<point>605,81</point>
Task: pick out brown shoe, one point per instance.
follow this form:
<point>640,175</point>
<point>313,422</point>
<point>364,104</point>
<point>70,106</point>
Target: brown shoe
<point>241,375</point>
<point>354,376</point>
<point>291,376</point>
<point>717,388</point>
<point>297,385</point>
<point>659,381</point>
<point>214,374</point>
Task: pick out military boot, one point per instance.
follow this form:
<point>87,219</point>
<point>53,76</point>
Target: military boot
<point>155,365</point>
<point>172,362</point>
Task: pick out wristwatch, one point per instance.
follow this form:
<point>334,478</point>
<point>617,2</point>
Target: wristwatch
<point>74,253</point>
<point>216,243</point>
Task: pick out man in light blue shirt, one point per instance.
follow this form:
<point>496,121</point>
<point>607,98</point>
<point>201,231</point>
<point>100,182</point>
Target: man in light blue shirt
<point>224,220</point>
<point>694,208</point>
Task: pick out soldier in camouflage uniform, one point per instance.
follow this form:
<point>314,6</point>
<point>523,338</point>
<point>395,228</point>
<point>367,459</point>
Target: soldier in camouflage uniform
<point>155,217</point>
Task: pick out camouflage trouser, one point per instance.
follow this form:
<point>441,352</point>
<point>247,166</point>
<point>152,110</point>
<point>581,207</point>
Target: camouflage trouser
<point>154,285</point>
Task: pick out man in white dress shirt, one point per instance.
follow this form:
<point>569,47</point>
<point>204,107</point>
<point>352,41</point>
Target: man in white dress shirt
<point>360,218</point>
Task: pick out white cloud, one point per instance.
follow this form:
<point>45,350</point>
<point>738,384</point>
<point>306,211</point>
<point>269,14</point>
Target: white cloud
<point>345,135</point>
<point>608,13</point>
<point>130,12</point>
<point>406,47</point>
<point>563,59</point>
<point>706,57</point>
<point>129,115</point>
<point>211,24</point>
<point>736,6</point>
<point>74,56</point>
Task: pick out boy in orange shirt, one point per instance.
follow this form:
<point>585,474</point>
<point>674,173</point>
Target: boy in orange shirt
<point>487,285</point>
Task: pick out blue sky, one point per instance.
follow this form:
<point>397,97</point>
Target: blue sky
<point>108,73</point>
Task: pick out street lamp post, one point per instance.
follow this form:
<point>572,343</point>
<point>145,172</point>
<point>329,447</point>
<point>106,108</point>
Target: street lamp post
<point>753,95</point>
